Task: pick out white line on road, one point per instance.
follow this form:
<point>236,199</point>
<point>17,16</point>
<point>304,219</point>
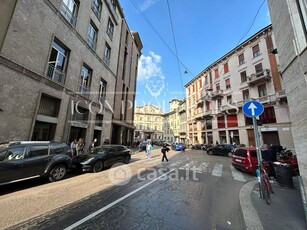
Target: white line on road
<point>113,203</point>
<point>217,170</point>
<point>238,176</point>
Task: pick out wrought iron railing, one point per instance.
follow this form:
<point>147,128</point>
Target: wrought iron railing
<point>68,15</point>
<point>56,74</point>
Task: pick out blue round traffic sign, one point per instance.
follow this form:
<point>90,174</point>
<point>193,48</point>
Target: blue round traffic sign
<point>252,108</point>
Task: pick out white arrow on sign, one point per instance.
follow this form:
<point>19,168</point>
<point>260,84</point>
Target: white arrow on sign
<point>252,107</point>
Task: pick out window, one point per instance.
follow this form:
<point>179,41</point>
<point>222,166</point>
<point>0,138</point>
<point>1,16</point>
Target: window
<point>49,106</point>
<point>96,7</point>
<point>243,76</point>
<point>110,28</point>
<point>39,150</point>
<point>256,51</point>
<point>258,69</point>
<point>229,99</point>
<point>85,80</point>
<point>219,103</point>
<point>217,87</point>
<point>102,90</point>
<point>268,116</point>
<point>221,122</point>
<point>226,68</point>
<point>245,94</point>
<point>216,73</point>
<point>12,154</point>
<point>92,36</point>
<point>107,54</point>
<point>227,83</point>
<point>206,80</point>
<point>241,59</point>
<point>262,90</point>
<point>303,11</point>
<point>69,10</point>
<point>57,62</point>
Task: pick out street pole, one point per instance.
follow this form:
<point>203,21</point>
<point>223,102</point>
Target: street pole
<point>259,156</point>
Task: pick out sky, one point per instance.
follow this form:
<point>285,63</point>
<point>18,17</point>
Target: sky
<point>182,37</point>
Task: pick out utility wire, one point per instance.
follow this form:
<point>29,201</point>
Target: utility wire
<point>155,30</point>
<point>173,33</point>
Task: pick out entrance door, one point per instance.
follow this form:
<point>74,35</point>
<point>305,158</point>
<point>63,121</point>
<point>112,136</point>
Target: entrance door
<point>270,138</point>
<point>251,137</point>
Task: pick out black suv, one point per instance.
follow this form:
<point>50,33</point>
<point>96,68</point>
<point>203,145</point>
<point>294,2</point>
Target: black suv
<point>21,160</point>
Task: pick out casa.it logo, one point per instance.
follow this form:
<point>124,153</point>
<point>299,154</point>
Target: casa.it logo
<point>120,174</point>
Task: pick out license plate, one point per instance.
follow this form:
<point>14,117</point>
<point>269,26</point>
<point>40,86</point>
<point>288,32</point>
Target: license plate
<point>238,160</point>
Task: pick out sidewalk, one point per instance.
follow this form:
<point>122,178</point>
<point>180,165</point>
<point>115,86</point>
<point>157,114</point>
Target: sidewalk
<point>286,210</point>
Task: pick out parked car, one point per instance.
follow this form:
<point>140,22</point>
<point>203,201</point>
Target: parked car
<point>178,147</point>
<point>223,150</point>
<point>196,146</point>
<point>21,160</point>
<point>245,159</point>
<point>103,156</point>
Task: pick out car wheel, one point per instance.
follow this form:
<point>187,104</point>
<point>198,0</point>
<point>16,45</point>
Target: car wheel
<point>127,159</point>
<point>98,166</point>
<point>230,154</point>
<point>57,173</point>
<point>210,152</point>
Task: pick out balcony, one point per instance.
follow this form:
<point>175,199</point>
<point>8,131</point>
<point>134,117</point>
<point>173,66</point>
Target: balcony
<point>206,97</point>
<point>182,132</point>
<point>199,103</point>
<point>259,77</point>
<point>281,94</point>
<point>208,113</point>
<point>56,74</point>
<point>217,94</point>
<point>68,15</point>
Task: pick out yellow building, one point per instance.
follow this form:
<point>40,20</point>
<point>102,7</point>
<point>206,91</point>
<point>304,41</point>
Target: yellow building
<point>171,122</point>
<point>148,122</point>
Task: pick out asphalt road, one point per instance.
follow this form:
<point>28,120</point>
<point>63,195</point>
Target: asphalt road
<point>192,191</point>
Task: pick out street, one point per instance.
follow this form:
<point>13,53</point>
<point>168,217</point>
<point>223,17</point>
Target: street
<point>192,191</point>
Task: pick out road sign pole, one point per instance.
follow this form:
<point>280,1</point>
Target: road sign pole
<point>259,156</point>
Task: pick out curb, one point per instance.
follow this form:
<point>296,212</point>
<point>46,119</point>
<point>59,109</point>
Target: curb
<point>250,215</point>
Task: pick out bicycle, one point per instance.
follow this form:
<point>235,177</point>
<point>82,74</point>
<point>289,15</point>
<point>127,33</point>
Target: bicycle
<point>265,185</point>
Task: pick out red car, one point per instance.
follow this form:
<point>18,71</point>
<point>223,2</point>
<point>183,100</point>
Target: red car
<point>245,159</point>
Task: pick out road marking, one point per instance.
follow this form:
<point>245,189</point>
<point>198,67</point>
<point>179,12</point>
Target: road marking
<point>238,176</point>
<point>204,166</point>
<point>113,203</point>
<point>217,170</point>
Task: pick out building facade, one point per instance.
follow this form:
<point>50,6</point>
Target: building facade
<point>171,122</point>
<point>59,62</point>
<point>289,20</point>
<point>148,122</point>
<point>215,96</point>
<point>182,112</point>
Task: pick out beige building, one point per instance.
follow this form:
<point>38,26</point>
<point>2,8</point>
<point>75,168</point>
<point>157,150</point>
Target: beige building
<point>216,95</point>
<point>60,67</point>
<point>171,122</point>
<point>182,112</point>
<point>148,122</point>
<point>289,20</point>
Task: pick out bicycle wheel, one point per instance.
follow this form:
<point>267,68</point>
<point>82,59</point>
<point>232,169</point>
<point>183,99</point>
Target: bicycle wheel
<point>265,192</point>
<point>270,188</point>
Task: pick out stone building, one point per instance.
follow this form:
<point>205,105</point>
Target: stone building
<point>148,122</point>
<point>216,95</point>
<point>59,66</point>
<point>182,113</point>
<point>171,122</point>
<point>289,19</point>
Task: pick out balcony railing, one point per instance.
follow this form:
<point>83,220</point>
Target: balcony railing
<point>56,74</point>
<point>68,15</point>
<point>84,90</point>
<point>91,43</point>
<point>217,94</point>
<point>281,94</point>
<point>206,97</point>
<point>259,77</point>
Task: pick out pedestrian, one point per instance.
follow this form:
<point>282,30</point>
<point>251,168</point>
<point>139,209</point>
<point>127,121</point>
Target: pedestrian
<point>149,148</point>
<point>73,145</point>
<point>80,147</point>
<point>164,150</point>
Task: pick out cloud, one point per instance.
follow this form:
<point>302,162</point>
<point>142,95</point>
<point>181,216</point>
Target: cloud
<point>149,66</point>
<point>147,3</point>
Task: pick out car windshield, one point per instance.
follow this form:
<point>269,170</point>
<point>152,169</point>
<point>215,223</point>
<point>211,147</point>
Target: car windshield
<point>100,150</point>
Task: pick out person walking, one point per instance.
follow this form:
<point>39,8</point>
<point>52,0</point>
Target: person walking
<point>149,148</point>
<point>164,150</point>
